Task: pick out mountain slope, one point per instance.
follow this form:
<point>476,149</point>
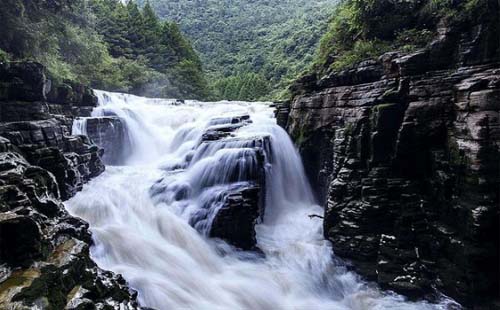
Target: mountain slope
<point>274,39</point>
<point>102,43</point>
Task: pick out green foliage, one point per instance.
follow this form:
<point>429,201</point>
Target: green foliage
<point>457,11</point>
<point>4,56</point>
<point>132,33</point>
<point>247,86</point>
<point>273,39</point>
<point>411,39</point>
<point>103,43</point>
<point>362,50</point>
<point>363,29</point>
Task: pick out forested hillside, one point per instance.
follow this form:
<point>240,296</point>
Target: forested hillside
<point>251,49</point>
<point>103,43</point>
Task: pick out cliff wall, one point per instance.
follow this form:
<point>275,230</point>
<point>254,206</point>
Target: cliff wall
<point>44,251</point>
<point>403,152</point>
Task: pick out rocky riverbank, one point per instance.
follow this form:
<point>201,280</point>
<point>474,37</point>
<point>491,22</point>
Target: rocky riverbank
<point>404,154</point>
<point>44,251</point>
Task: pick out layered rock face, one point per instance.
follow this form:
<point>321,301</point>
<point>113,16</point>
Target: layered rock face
<point>109,133</point>
<point>44,251</point>
<point>404,154</point>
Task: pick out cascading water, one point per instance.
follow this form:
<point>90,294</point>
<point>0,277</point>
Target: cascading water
<point>142,214</point>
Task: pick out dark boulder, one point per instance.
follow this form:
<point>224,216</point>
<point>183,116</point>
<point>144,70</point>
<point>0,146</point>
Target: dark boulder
<point>109,133</point>
<point>21,240</point>
<point>71,93</point>
<point>236,219</point>
<point>23,81</point>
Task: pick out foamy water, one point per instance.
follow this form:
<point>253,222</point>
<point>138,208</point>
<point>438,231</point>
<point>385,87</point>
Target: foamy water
<point>142,228</point>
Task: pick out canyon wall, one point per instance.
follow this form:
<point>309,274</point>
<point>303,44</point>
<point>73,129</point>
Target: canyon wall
<point>403,153</point>
<point>44,252</point>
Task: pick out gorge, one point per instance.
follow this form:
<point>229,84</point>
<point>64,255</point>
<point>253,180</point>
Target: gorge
<point>189,176</point>
<point>375,185</point>
<point>192,170</point>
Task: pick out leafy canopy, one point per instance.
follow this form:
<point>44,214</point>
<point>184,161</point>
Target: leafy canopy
<point>238,39</point>
<point>103,43</point>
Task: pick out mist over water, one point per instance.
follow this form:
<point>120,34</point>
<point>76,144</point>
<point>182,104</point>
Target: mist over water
<point>140,214</point>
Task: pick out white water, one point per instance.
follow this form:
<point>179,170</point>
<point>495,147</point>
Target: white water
<point>142,231</point>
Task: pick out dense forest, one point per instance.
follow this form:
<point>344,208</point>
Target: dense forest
<point>250,49</point>
<point>104,43</point>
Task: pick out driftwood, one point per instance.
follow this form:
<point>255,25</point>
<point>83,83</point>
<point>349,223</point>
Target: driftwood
<point>311,216</point>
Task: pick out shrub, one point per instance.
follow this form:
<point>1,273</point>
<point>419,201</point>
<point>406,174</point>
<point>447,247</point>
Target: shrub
<point>362,50</point>
<point>4,56</point>
<point>364,29</point>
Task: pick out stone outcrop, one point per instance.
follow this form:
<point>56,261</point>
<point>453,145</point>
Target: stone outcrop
<point>236,219</point>
<point>44,251</point>
<point>111,134</point>
<point>404,154</point>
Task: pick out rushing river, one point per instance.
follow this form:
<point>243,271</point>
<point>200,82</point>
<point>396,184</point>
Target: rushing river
<point>146,235</point>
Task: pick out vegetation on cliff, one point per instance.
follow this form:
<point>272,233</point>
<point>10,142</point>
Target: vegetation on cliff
<point>408,141</point>
<point>270,41</point>
<point>361,30</point>
<point>103,43</point>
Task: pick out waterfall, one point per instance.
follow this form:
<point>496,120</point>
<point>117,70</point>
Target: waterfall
<point>151,217</point>
<point>79,126</point>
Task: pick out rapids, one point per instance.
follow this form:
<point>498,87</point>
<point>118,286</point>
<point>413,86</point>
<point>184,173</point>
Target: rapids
<point>142,231</point>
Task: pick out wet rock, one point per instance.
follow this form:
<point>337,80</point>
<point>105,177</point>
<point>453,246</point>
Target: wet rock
<point>231,189</point>
<point>15,111</point>
<point>5,145</point>
<point>219,128</point>
<point>73,160</point>
<point>44,252</point>
<point>67,278</point>
<point>20,239</point>
<point>23,81</point>
<point>110,134</point>
<point>71,93</point>
<point>236,219</point>
<point>281,113</point>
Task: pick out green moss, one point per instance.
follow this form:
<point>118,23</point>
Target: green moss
<point>455,156</point>
<point>348,129</point>
<point>410,40</point>
<point>17,281</point>
<point>378,110</point>
<point>300,138</point>
<point>48,287</point>
<point>456,11</point>
<point>4,56</point>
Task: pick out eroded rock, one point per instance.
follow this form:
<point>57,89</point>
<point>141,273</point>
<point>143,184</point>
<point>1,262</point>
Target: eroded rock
<point>44,252</point>
<point>404,153</point>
